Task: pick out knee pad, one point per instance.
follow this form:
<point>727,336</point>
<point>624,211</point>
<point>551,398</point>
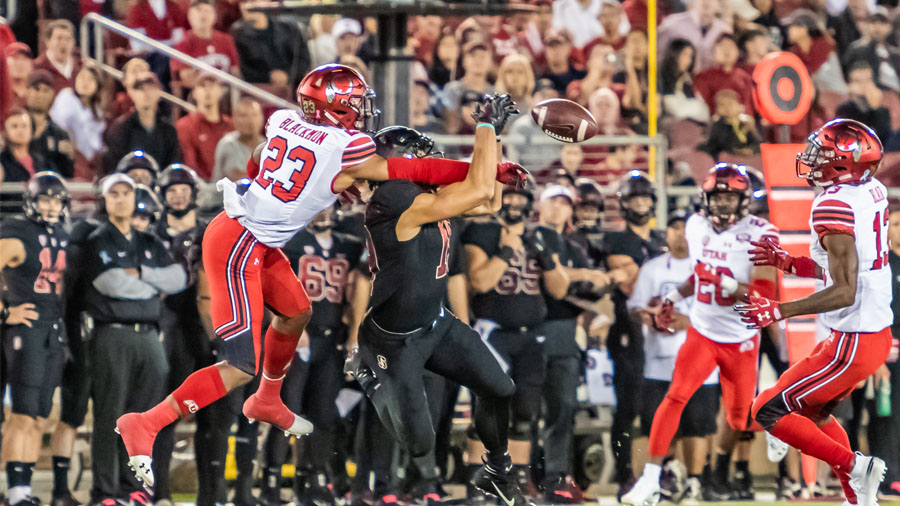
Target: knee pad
<point>769,413</point>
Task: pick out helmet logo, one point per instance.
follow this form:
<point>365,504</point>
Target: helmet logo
<point>341,85</point>
<point>848,142</point>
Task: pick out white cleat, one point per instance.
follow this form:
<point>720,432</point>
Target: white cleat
<point>866,477</point>
<point>776,449</point>
<point>300,427</point>
<point>644,493</point>
<point>142,465</point>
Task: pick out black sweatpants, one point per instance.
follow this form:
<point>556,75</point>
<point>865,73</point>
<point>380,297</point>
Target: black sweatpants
<point>447,347</point>
<point>128,373</point>
<point>560,399</point>
<point>310,388</point>
<point>626,352</point>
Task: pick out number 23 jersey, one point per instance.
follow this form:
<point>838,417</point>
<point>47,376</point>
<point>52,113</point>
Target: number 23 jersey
<point>297,170</point>
<point>729,253</point>
<point>862,212</point>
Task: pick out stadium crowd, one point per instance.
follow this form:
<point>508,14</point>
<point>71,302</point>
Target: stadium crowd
<point>149,160</point>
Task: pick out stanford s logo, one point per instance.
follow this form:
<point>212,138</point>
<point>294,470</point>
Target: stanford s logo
<point>382,362</point>
<point>338,86</point>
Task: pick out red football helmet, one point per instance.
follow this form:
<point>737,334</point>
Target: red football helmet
<point>336,95</point>
<point>841,151</point>
<point>727,178</point>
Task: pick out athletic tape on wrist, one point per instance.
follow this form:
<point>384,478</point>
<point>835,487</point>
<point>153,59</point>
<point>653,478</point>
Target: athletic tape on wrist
<point>486,125</point>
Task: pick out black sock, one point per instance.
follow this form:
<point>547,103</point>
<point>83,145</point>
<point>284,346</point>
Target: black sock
<point>694,476</point>
<point>742,466</point>
<point>723,465</point>
<point>18,474</point>
<point>271,482</point>
<point>498,460</point>
<point>60,476</point>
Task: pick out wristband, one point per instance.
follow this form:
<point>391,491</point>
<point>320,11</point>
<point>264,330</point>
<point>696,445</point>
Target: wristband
<point>803,267</point>
<point>674,296</point>
<point>4,314</point>
<point>729,285</point>
<point>486,125</point>
<point>506,253</point>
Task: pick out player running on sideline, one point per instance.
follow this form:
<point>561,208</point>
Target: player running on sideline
<point>719,245</point>
<point>407,330</point>
<point>850,252</point>
<point>311,155</point>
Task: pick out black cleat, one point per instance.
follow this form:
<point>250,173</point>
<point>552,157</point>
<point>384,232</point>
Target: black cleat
<point>502,484</point>
<point>64,500</point>
<point>317,492</point>
<point>742,487</point>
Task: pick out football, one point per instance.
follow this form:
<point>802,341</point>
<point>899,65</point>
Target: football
<point>565,120</point>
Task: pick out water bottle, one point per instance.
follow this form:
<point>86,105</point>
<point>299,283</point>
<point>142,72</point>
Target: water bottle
<point>883,398</point>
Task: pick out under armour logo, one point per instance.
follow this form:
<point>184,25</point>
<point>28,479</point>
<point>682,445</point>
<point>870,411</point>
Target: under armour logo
<point>191,405</point>
<point>255,261</point>
<point>382,362</point>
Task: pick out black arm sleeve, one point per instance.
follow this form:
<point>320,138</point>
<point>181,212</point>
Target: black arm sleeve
<point>484,235</point>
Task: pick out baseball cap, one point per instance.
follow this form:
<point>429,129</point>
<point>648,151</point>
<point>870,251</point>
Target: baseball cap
<point>344,26</point>
<point>40,76</point>
<point>113,179</point>
<point>18,48</point>
<point>677,215</point>
<point>558,190</point>
<point>556,36</point>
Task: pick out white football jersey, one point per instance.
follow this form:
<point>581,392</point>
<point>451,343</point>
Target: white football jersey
<point>729,252</point>
<point>862,211</point>
<point>657,278</point>
<point>297,169</point>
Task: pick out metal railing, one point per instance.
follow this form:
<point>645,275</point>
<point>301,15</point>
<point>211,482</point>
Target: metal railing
<point>102,23</point>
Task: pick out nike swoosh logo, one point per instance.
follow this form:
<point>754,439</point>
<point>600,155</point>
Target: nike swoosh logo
<point>509,502</point>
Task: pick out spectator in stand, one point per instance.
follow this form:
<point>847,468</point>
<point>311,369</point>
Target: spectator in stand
<point>6,95</point>
<point>200,131</point>
<point>356,63</point>
<point>321,44</point>
<point>234,149</point>
<point>20,65</point>
<point>426,32</point>
<point>59,56</point>
<point>580,17</point>
<point>725,74</point>
<point>809,41</point>
<point>755,44</point>
<point>18,160</point>
<point>676,84</point>
<point>79,111</point>
<point>865,100</point>
<point>531,37</point>
<point>700,26</point>
<point>734,131</point>
<point>524,134</point>
<point>420,115</point>
<point>560,69</point>
<point>516,78</point>
<point>272,50</point>
<point>347,33</point>
<point>477,63</point>
<point>227,13</point>
<point>204,43</point>
<point>882,57</point>
<point>143,129</point>
<point>445,66</point>
<point>848,26</point>
<point>601,66</point>
<point>571,158</point>
<point>604,106</point>
<point>122,104</point>
<point>163,21</point>
<point>48,139</point>
<point>635,78</point>
<point>615,27</point>
<point>768,19</point>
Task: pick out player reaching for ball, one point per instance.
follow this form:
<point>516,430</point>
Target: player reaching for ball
<point>850,252</point>
<point>311,155</point>
<point>719,245</point>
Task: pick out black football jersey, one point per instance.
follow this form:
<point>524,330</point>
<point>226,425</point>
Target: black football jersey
<point>324,273</point>
<point>572,256</point>
<point>517,299</point>
<point>593,241</point>
<point>38,279</point>
<point>410,276</point>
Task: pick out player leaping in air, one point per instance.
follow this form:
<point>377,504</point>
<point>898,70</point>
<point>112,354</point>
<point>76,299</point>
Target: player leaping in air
<point>850,252</point>
<point>310,156</point>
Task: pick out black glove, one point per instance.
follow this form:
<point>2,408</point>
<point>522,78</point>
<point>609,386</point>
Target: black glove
<point>542,242</point>
<point>496,110</point>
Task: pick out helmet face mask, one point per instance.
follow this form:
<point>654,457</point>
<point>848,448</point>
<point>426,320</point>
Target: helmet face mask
<point>178,188</point>
<point>337,95</point>
<point>516,208</point>
<point>726,179</point>
<point>46,198</point>
<point>636,184</point>
<point>842,151</point>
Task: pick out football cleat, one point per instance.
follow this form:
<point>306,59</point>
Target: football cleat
<point>645,492</point>
<point>865,479</point>
<point>256,409</point>
<point>502,484</point>
<point>776,449</point>
<point>138,441</point>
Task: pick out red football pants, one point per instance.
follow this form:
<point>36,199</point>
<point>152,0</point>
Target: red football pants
<point>813,386</point>
<point>244,276</point>
<point>697,359</point>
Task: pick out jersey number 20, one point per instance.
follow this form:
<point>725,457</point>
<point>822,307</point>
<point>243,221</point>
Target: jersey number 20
<point>302,161</point>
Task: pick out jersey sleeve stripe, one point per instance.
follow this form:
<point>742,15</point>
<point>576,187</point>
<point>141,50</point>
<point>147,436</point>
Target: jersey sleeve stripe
<point>357,149</point>
<point>832,210</point>
<point>359,142</point>
<point>832,217</point>
<point>834,203</point>
<point>350,159</point>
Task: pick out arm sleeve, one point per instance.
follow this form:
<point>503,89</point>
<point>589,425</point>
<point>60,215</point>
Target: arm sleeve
<point>169,279</point>
<point>832,216</point>
<point>118,284</point>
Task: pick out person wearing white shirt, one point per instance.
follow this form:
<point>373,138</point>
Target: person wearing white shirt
<point>79,112</point>
<point>579,17</point>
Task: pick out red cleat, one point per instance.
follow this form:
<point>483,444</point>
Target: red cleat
<point>277,414</point>
<point>138,439</point>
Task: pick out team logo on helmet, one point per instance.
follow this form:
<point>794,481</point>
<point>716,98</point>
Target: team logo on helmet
<point>849,143</point>
<point>340,85</point>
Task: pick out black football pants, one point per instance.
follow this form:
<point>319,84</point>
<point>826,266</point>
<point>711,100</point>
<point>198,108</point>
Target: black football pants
<point>560,399</point>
